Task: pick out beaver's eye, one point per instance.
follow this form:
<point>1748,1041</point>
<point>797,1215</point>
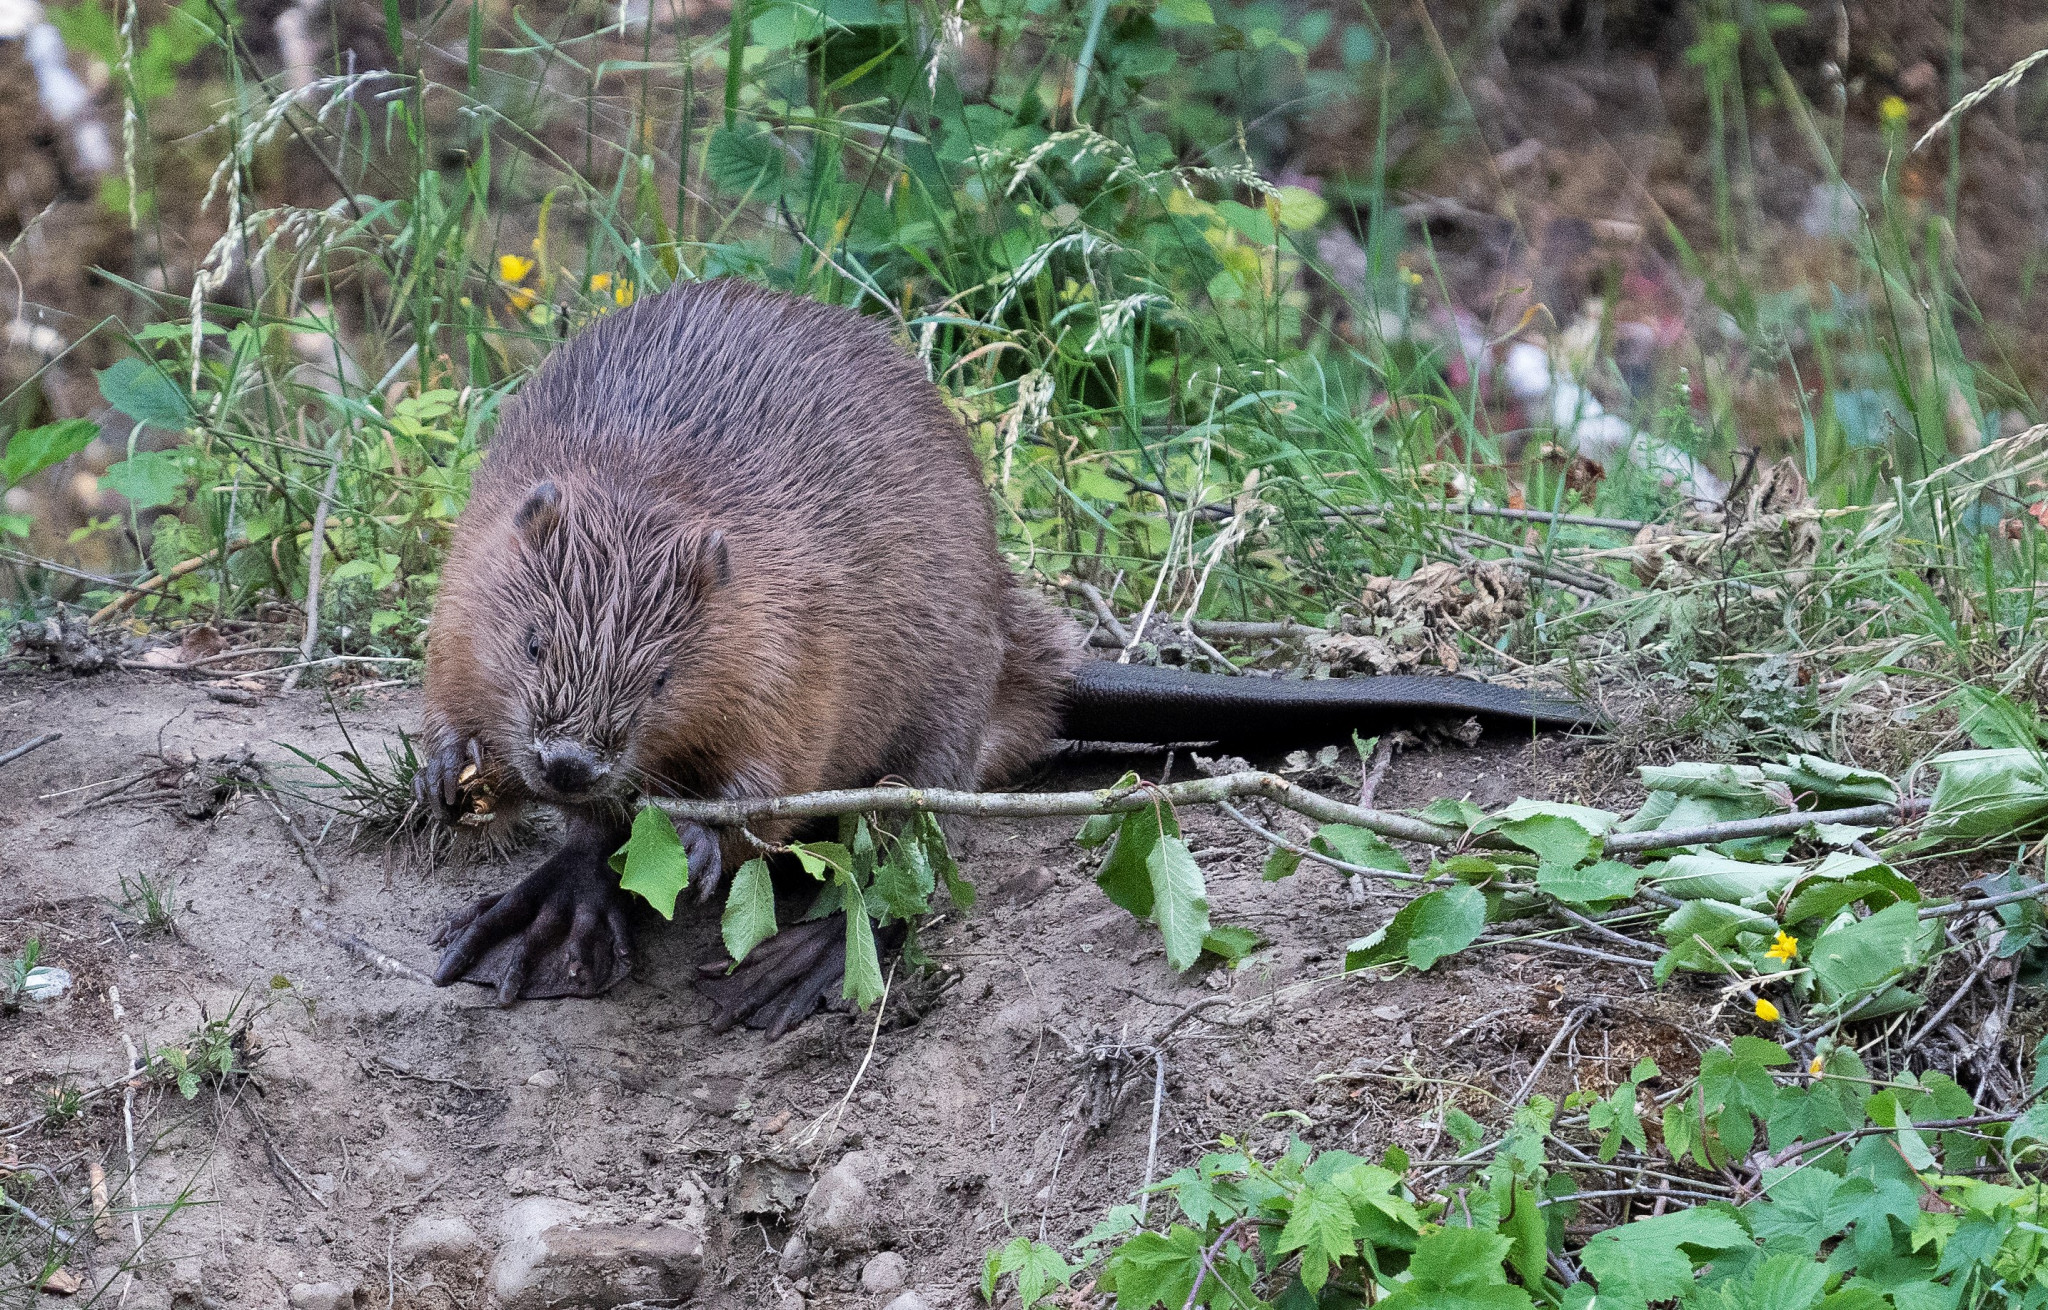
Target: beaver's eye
<point>533,643</point>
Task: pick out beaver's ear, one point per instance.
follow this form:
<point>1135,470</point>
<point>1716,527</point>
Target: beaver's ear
<point>538,518</point>
<point>707,562</point>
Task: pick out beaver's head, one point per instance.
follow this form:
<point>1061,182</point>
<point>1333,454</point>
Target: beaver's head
<point>605,604</point>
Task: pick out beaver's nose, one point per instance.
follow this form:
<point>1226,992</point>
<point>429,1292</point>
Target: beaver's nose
<point>568,768</point>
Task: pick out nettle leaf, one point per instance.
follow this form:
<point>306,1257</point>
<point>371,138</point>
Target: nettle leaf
<point>1151,1269</point>
<point>1431,926</point>
<point>1459,1269</point>
<point>32,450</point>
<point>1464,1130</point>
<point>141,391</point>
<point>1650,1260</point>
<point>932,837</point>
<point>746,158</point>
<point>1559,834</point>
<point>1037,1268</point>
<point>1319,1226</point>
<point>656,867</point>
<point>863,985</point>
<point>1603,880</point>
<point>904,882</point>
<point>148,478</point>
<point>749,917</point>
<point>1180,902</point>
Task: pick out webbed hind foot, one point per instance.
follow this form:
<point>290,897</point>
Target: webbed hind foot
<point>783,981</point>
<point>560,932</point>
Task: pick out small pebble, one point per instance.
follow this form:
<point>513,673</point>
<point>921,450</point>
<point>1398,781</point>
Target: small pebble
<point>321,1296</point>
<point>546,1079</point>
<point>909,1301</point>
<point>795,1259</point>
<point>884,1273</point>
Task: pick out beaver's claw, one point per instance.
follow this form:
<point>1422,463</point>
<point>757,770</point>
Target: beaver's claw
<point>783,981</point>
<point>561,932</point>
<point>444,776</point>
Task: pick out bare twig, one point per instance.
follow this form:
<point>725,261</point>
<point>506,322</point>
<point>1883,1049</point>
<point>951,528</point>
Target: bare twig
<point>1088,592</point>
<point>298,840</point>
<point>33,743</point>
<point>135,1071</point>
<point>63,1236</point>
<point>1152,1141</point>
<point>1572,1024</point>
<point>367,953</point>
<point>122,604</point>
<point>314,557</point>
<point>881,1008</point>
<point>277,1157</point>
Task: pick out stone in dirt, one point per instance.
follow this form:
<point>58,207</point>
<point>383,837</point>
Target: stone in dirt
<point>884,1273</point>
<point>766,1188</point>
<point>595,1265</point>
<point>909,1301</point>
<point>321,1296</point>
<point>840,1214</point>
<point>795,1258</point>
<point>437,1239</point>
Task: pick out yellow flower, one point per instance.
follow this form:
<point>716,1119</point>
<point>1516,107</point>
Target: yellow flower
<point>514,268</point>
<point>1892,110</point>
<point>522,299</point>
<point>1786,947</point>
<point>622,294</point>
<point>1414,278</point>
<point>600,281</point>
<point>1818,1067</point>
<point>1766,1011</point>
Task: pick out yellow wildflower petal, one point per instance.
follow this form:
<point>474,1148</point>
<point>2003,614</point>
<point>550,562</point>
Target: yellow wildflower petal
<point>623,294</point>
<point>1785,947</point>
<point>1892,110</point>
<point>514,268</point>
<point>522,299</point>
<point>600,281</point>
<point>1818,1067</point>
<point>1766,1011</point>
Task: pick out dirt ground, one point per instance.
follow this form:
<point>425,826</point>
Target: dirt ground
<point>398,1145</point>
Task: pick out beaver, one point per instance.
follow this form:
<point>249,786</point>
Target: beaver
<point>732,543</point>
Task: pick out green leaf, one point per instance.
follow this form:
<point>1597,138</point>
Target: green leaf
<point>657,868</point>
<point>1451,813</point>
<point>1560,834</point>
<point>1280,864</point>
<point>1987,793</point>
<point>1860,957</point>
<point>1232,943</point>
<point>940,857</point>
<point>1835,784</point>
<point>1431,926</point>
<point>749,917</point>
<point>141,391</point>
<point>1359,846</point>
<point>149,478</point>
<point>1098,829</point>
<point>1459,1269</point>
<point>1603,880</point>
<point>1703,875</point>
<point>1995,722</point>
<point>1037,1268</point>
<point>1125,875</point>
<point>1180,903</point>
<point>1151,1269</point>
<point>1319,1226</point>
<point>1188,13</point>
<point>746,158</point>
<point>863,985</point>
<point>903,884</point>
<point>1648,1260</point>
<point>32,450</point>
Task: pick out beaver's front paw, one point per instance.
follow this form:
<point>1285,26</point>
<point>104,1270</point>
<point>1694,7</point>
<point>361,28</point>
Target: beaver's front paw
<point>561,932</point>
<point>448,780</point>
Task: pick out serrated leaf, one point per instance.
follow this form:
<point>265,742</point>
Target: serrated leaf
<point>1451,813</point>
<point>1097,829</point>
<point>749,917</point>
<point>1648,1260</point>
<point>939,856</point>
<point>1232,943</point>
<point>903,884</point>
<point>1558,834</point>
<point>863,985</point>
<point>1359,846</point>
<point>1431,926</point>
<point>32,450</point>
<point>1602,880</point>
<point>1125,875</point>
<point>1854,958</point>
<point>1987,793</point>
<point>147,479</point>
<point>1319,1226</point>
<point>1180,903</point>
<point>746,158</point>
<point>1280,864</point>
<point>657,868</point>
<point>142,392</point>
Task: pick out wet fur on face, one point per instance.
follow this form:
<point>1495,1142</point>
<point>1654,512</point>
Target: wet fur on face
<point>600,606</point>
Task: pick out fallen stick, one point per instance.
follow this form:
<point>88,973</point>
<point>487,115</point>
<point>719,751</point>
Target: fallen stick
<point>127,601</point>
<point>32,743</point>
<point>367,953</point>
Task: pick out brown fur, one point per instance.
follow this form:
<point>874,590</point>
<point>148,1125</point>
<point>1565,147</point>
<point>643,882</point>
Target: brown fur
<point>765,499</point>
